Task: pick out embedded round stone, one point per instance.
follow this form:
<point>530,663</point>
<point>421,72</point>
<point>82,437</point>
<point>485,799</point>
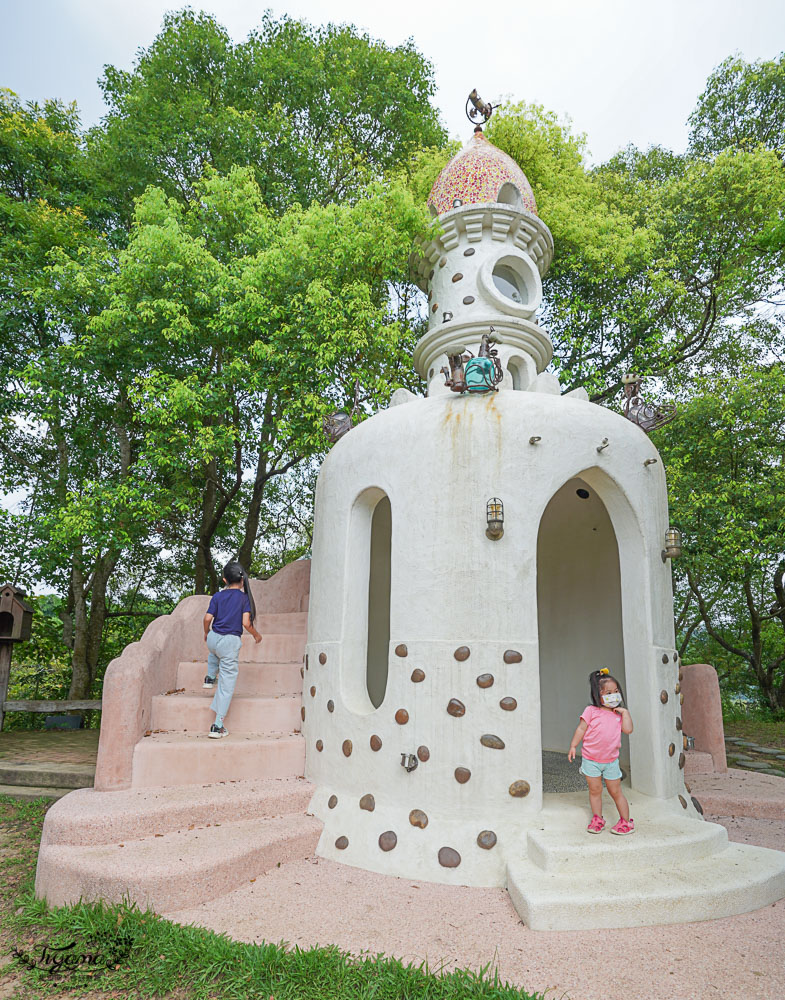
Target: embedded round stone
<point>664,697</point>
<point>332,802</point>
<point>486,839</point>
<point>682,759</point>
<point>376,742</point>
<point>322,658</point>
<point>302,713</point>
<point>681,674</point>
<point>681,698</point>
<point>689,790</point>
<point>456,708</point>
<point>434,307</point>
<point>508,704</point>
<point>462,653</point>
<point>468,299</point>
<point>306,661</point>
<point>302,671</point>
<point>462,775</point>
<point>664,657</point>
<point>671,749</point>
<point>368,802</point>
<point>423,754</point>
<point>387,840</point>
<point>449,857</point>
<point>457,277</point>
<point>697,805</point>
<point>684,741</point>
<point>401,716</point>
<point>346,746</point>
<point>492,742</point>
<point>342,843</point>
<point>683,802</point>
<point>330,705</point>
<point>313,690</point>
<point>512,656</point>
<point>469,252</point>
<point>678,687</point>
<point>675,657</point>
<point>485,681</point>
<point>519,789</point>
<point>401,650</point>
<point>418,818</point>
<point>442,262</point>
<point>678,723</point>
<point>418,675</point>
<point>319,746</point>
<point>431,274</point>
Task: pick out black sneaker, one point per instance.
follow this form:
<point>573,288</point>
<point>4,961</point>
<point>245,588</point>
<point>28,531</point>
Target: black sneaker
<point>209,682</point>
<point>216,733</point>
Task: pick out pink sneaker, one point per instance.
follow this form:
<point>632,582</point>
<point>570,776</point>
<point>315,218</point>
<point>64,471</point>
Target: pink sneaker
<point>623,827</point>
<point>597,824</point>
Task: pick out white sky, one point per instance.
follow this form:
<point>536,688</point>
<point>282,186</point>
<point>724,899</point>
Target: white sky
<point>624,70</point>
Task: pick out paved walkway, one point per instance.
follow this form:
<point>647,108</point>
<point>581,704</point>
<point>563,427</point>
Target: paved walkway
<point>49,746</point>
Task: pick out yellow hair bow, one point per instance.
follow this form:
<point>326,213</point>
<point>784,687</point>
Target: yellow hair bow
<point>604,670</point>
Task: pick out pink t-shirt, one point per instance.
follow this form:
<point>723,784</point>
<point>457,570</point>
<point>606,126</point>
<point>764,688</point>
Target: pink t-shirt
<point>602,738</point>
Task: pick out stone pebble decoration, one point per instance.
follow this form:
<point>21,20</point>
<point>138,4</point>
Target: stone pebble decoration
<point>485,681</point>
<point>682,759</point>
<point>368,802</point>
<point>449,857</point>
<point>678,724</point>
<point>492,742</point>
<point>664,697</point>
<point>302,713</point>
<point>508,704</point>
<point>423,754</point>
<point>418,676</point>
<point>462,775</point>
<point>418,818</point>
<point>319,745</point>
<point>342,843</point>
<point>330,705</point>
<point>457,277</point>
<point>401,649</point>
<point>401,716</point>
<point>683,802</point>
<point>486,839</point>
<point>512,656</point>
<point>313,691</point>
<point>697,804</point>
<point>376,743</point>
<point>519,789</point>
<point>462,653</point>
<point>468,299</point>
<point>469,253</point>
<point>322,658</point>
<point>332,802</point>
<point>456,708</point>
<point>388,840</point>
<point>346,746</point>
<point>671,749</point>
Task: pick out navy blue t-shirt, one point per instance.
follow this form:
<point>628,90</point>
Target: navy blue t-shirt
<point>227,608</point>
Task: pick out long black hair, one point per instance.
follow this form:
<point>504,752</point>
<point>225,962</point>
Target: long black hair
<point>233,573</point>
<point>597,679</point>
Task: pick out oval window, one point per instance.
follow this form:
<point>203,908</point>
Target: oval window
<point>510,283</point>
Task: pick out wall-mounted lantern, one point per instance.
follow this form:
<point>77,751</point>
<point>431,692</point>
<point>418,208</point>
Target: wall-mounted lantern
<point>494,515</point>
<point>672,548</point>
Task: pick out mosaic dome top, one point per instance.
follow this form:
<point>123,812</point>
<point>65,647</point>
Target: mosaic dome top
<point>477,175</point>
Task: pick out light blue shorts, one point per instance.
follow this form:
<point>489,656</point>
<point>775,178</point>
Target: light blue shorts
<point>594,769</point>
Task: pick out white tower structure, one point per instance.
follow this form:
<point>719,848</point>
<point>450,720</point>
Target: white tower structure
<point>435,642</point>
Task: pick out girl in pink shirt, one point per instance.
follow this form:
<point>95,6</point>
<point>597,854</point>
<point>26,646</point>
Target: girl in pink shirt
<point>600,728</point>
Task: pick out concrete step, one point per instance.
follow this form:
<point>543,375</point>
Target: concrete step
<point>49,775</point>
<point>90,817</point>
<point>266,680</point>
<point>247,713</point>
<point>176,869</point>
<point>33,792</point>
<point>739,879</point>
<point>275,647</point>
<point>564,846</point>
<point>294,622</point>
<point>172,758</point>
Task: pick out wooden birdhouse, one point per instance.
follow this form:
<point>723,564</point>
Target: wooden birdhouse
<point>16,616</point>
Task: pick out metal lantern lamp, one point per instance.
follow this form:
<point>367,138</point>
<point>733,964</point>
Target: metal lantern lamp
<point>494,515</point>
<point>672,548</point>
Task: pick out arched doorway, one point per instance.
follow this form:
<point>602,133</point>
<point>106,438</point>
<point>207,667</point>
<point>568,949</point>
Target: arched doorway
<point>579,612</point>
<point>379,602</point>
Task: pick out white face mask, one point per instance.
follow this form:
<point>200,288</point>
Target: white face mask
<point>611,700</point>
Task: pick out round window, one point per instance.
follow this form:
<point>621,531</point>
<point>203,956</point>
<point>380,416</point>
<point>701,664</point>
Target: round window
<point>510,283</point>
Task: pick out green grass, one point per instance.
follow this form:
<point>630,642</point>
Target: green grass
<point>167,960</point>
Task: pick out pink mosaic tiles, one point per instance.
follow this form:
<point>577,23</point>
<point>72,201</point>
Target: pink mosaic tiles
<point>476,175</point>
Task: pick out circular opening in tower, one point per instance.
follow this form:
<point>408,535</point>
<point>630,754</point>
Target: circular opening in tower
<point>510,283</point>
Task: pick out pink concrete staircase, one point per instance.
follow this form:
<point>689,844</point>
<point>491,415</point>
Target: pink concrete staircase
<point>175,818</point>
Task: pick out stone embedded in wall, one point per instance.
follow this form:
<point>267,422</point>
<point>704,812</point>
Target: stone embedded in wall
<point>462,775</point>
<point>671,749</point>
<point>332,802</point>
<point>306,661</point>
<point>330,705</point>
<point>302,713</point>
<point>683,801</point>
<point>684,742</point>
<point>677,688</point>
<point>462,653</point>
<point>322,658</point>
<point>508,704</point>
<point>697,805</point>
<point>346,746</point>
<point>468,299</point>
<point>442,261</point>
<point>664,697</point>
<point>469,252</point>
<point>456,708</point>
<point>401,716</point>
<point>368,802</point>
<point>485,680</point>
<point>449,857</point>
<point>664,657</point>
<point>457,277</point>
<point>319,745</point>
<point>486,839</point>
<point>434,307</point>
<point>418,818</point>
<point>682,760</point>
<point>302,671</point>
<point>519,789</point>
<point>313,690</point>
<point>423,754</point>
<point>418,675</point>
<point>681,698</point>
<point>342,843</point>
<point>681,674</point>
<point>376,742</point>
<point>387,840</point>
<point>512,656</point>
<point>492,742</point>
<point>678,723</point>
<point>401,649</point>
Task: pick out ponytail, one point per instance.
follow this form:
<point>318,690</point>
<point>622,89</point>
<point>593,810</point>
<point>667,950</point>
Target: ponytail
<point>597,679</point>
<point>234,572</point>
